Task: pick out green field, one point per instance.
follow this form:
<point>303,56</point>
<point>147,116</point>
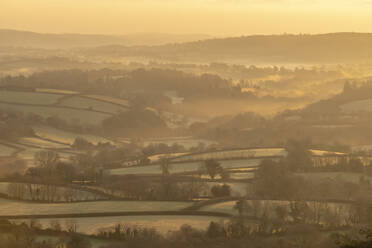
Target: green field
<point>69,115</point>
<point>66,137</point>
<point>92,104</point>
<point>183,167</point>
<point>8,207</point>
<point>28,97</point>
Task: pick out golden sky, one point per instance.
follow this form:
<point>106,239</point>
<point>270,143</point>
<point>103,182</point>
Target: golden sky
<point>214,17</point>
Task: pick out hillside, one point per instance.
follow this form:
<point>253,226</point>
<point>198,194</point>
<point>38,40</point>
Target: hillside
<point>322,48</point>
<point>66,41</point>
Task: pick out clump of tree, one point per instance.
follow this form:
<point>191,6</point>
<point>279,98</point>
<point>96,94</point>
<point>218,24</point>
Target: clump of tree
<point>223,190</point>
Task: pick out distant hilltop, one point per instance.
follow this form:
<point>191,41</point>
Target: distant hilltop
<point>322,48</point>
<point>27,39</point>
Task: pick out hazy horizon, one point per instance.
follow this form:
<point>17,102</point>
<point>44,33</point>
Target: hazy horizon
<point>214,17</point>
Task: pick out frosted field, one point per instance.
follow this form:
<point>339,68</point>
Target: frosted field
<point>248,153</point>
<point>79,195</point>
<point>69,115</point>
<point>162,224</point>
<point>357,106</point>
<point>28,97</point>
<point>32,141</point>
<point>344,176</point>
<point>109,99</point>
<point>269,205</point>
<point>6,151</point>
<point>8,207</point>
<point>183,167</point>
<point>242,175</point>
<point>322,153</point>
<point>65,136</point>
<point>56,91</point>
<point>157,157</point>
<point>92,104</point>
<point>187,142</point>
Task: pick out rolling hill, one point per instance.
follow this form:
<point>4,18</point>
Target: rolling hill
<point>322,48</point>
<point>65,41</point>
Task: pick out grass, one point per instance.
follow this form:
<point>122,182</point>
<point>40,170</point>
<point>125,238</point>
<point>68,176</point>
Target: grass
<point>183,167</point>
<point>92,104</point>
<point>8,207</point>
<point>28,97</point>
<point>69,115</point>
<point>66,137</point>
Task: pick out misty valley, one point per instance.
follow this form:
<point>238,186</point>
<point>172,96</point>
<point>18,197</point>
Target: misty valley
<point>185,141</point>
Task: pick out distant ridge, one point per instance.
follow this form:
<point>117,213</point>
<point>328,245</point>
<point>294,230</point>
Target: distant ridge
<point>320,48</point>
<point>17,38</point>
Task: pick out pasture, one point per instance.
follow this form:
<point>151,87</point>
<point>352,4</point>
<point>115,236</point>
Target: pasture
<point>231,154</point>
<point>9,207</point>
<point>162,224</point>
<point>183,167</point>
<point>69,115</point>
<point>23,97</point>
<point>40,143</point>
<point>92,105</point>
<point>66,137</point>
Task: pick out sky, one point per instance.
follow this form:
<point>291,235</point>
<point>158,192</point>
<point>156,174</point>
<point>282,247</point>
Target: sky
<point>213,17</point>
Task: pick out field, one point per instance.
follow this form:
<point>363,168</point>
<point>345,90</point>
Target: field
<point>187,142</point>
<point>28,97</point>
<point>76,195</point>
<point>183,167</point>
<point>246,153</point>
<point>40,143</point>
<point>162,224</point>
<point>344,176</point>
<point>113,100</point>
<point>69,115</point>
<point>323,153</point>
<point>92,104</point>
<point>8,207</point>
<point>56,91</point>
<point>66,137</point>
<point>157,157</point>
<point>357,106</point>
<point>267,205</point>
<point>6,151</point>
